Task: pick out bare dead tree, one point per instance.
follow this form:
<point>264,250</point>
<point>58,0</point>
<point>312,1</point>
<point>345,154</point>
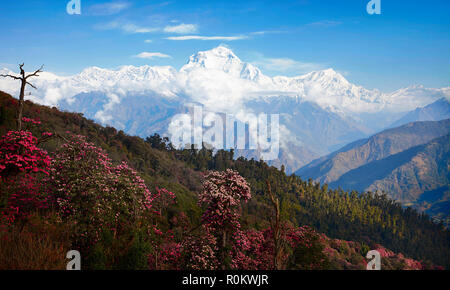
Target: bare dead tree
<point>276,229</point>
<point>24,82</point>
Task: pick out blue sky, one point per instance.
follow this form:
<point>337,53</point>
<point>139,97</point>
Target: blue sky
<point>409,43</point>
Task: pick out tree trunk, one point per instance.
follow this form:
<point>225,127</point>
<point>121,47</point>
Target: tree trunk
<point>276,229</point>
<point>20,111</point>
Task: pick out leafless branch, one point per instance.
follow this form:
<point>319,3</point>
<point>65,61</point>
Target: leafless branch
<point>35,73</point>
<point>11,76</point>
<point>31,85</point>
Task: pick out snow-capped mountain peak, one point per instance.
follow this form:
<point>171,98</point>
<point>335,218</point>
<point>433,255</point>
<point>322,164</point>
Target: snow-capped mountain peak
<point>219,58</point>
<point>222,59</point>
<point>326,76</point>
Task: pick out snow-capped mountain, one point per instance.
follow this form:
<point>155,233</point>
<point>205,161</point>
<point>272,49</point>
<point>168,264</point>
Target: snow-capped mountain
<point>330,89</point>
<point>319,111</point>
<point>232,78</point>
<point>223,59</point>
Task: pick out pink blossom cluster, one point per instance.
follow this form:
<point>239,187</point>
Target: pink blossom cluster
<point>31,121</point>
<point>222,194</point>
<point>200,252</point>
<point>19,154</point>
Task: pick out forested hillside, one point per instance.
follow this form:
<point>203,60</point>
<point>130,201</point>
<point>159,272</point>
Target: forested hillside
<point>366,219</point>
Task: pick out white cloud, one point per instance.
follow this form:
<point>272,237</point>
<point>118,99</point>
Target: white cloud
<point>11,66</point>
<point>110,8</point>
<point>325,23</point>
<point>125,27</point>
<point>181,28</point>
<point>224,38</point>
<point>198,37</point>
<point>105,115</point>
<point>152,55</point>
<point>148,41</point>
<point>132,28</point>
<point>286,64</point>
<point>264,32</point>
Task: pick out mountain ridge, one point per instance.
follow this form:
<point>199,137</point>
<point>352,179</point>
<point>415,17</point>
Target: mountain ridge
<point>436,111</point>
<point>399,139</point>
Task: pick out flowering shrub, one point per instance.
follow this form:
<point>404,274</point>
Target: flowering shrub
<point>221,196</point>
<point>308,249</point>
<point>93,194</point>
<point>30,121</point>
<point>165,253</point>
<point>161,200</point>
<point>26,195</point>
<point>200,252</point>
<point>252,250</point>
<point>391,260</point>
<point>22,165</point>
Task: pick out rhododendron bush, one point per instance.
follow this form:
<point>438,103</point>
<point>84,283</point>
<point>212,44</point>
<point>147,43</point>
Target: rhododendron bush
<point>221,196</point>
<point>253,250</point>
<point>22,166</point>
<point>200,251</point>
<point>165,252</point>
<point>93,194</point>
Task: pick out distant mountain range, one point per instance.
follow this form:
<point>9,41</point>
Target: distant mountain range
<point>436,111</point>
<point>410,163</point>
<point>319,112</point>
